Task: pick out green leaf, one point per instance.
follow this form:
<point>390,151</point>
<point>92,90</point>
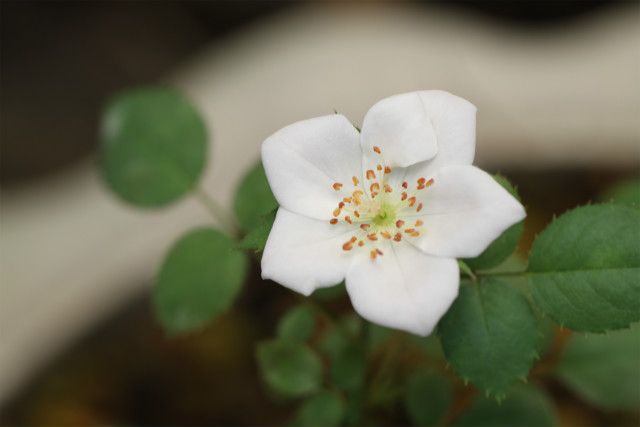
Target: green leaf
<point>604,369</point>
<point>154,145</point>
<point>199,279</point>
<point>584,268</point>
<point>256,239</point>
<point>325,409</point>
<point>332,292</point>
<point>253,198</point>
<point>428,396</point>
<point>297,324</point>
<point>289,367</point>
<point>504,245</point>
<point>625,193</point>
<point>349,367</point>
<point>489,335</point>
<point>525,406</point>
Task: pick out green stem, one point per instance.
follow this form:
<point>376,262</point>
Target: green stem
<point>225,220</point>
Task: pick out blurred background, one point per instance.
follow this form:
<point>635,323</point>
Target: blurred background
<point>558,93</point>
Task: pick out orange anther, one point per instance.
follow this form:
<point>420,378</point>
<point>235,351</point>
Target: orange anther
<point>355,181</point>
<point>412,201</point>
<point>419,208</point>
<point>361,243</point>
<point>387,170</point>
<point>418,223</point>
<point>377,149</point>
<point>347,200</point>
<point>374,187</point>
<point>415,234</point>
<point>385,234</point>
<point>430,182</point>
<point>404,196</point>
<point>353,239</point>
<point>387,188</point>
<point>348,219</point>
<point>373,254</point>
<point>333,221</point>
<point>347,246</point>
<point>405,184</point>
<point>374,194</point>
<point>379,167</point>
<point>421,181</point>
<point>364,226</point>
<point>379,252</point>
<point>357,214</point>
<point>410,230</point>
<point>341,205</point>
<point>372,236</point>
<point>397,237</point>
<point>336,212</point>
<point>337,186</point>
<point>399,223</point>
<point>371,174</point>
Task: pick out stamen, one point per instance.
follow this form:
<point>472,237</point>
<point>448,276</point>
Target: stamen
<point>341,205</point>
<point>372,236</point>
<point>371,174</point>
<point>361,243</point>
<point>347,199</point>
<point>399,223</point>
<point>333,221</point>
<point>405,184</point>
<point>410,230</point>
<point>373,254</point>
<point>412,201</point>
<point>365,226</point>
<point>379,167</point>
<point>387,188</point>
<point>347,246</point>
<point>397,237</point>
<point>419,208</point>
<point>404,196</point>
<point>336,212</point>
<point>355,181</point>
<point>387,170</point>
<point>385,234</point>
<point>418,223</point>
<point>337,186</point>
<point>415,234</point>
<point>430,182</point>
<point>374,187</point>
<point>379,252</point>
<point>348,219</point>
<point>377,149</point>
<point>357,214</point>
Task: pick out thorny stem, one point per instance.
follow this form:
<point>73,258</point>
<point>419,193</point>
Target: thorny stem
<point>225,220</point>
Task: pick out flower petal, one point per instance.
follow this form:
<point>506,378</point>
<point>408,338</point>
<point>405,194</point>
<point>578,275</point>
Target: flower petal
<point>464,211</point>
<point>418,126</point>
<point>404,288</point>
<point>302,162</point>
<point>304,254</point>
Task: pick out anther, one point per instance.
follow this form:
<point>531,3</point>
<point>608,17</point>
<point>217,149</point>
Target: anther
<point>357,214</point>
<point>385,234</point>
<point>379,167</point>
<point>371,174</point>
<point>361,243</point>
<point>347,200</point>
<point>347,246</point>
<point>412,201</point>
<point>337,186</point>
<point>372,236</point>
<point>374,194</point>
<point>374,187</point>
<point>421,181</point>
<point>418,223</point>
<point>341,205</point>
<point>405,184</point>
<point>336,212</point>
<point>397,237</point>
<point>404,196</point>
<point>430,182</point>
<point>333,221</point>
<point>365,226</point>
<point>373,254</point>
<point>377,149</point>
<point>348,219</point>
<point>399,223</point>
<point>415,234</point>
<point>419,208</point>
<point>410,230</point>
<point>355,181</point>
<point>387,188</point>
<point>387,170</point>
<point>379,252</point>
<point>353,239</point>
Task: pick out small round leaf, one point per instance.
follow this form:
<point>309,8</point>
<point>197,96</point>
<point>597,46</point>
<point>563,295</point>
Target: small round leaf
<point>428,396</point>
<point>253,198</point>
<point>325,409</point>
<point>199,279</point>
<point>154,145</point>
<point>297,324</point>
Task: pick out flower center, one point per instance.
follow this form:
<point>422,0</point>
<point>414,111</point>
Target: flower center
<point>382,213</point>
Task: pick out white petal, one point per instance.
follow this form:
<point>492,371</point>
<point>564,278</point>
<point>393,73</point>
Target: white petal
<point>304,254</point>
<point>303,160</point>
<point>401,127</point>
<point>404,288</point>
<point>464,211</point>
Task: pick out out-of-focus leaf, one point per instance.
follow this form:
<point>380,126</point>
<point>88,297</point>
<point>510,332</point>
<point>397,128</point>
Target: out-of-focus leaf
<point>604,369</point>
<point>584,268</point>
<point>297,324</point>
<point>254,198</point>
<point>325,409</point>
<point>154,145</point>
<point>349,367</point>
<point>289,367</point>
<point>428,395</point>
<point>199,279</point>
<point>256,239</point>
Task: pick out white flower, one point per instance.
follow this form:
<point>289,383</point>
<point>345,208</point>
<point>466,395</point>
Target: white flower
<point>388,209</point>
